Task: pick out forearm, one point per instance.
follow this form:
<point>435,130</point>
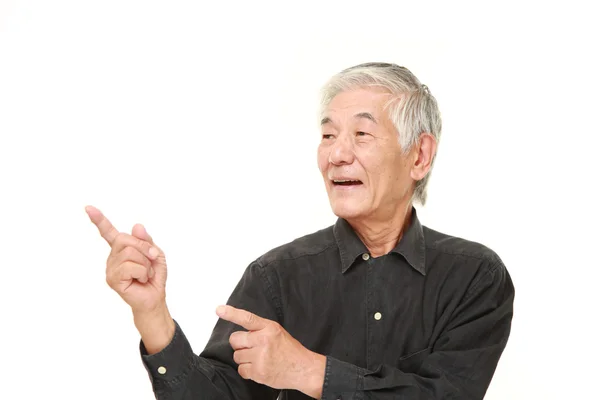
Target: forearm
<point>156,328</point>
<point>177,373</point>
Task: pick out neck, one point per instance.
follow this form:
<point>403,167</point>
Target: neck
<point>381,234</point>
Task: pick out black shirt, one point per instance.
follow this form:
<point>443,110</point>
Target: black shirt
<point>429,320</point>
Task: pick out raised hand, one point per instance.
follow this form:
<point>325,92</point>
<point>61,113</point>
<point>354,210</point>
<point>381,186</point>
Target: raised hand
<point>136,269</point>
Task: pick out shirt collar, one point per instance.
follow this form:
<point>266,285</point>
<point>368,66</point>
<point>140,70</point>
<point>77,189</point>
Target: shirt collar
<point>411,246</point>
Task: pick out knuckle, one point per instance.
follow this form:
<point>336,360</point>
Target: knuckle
<point>110,262</point>
<point>259,372</point>
<point>247,371</point>
<point>127,268</point>
<point>129,253</point>
<point>142,245</point>
<point>132,254</point>
<point>145,262</point>
<point>275,328</point>
<point>111,279</point>
<point>111,265</point>
<point>263,340</point>
<point>121,238</point>
<point>122,271</point>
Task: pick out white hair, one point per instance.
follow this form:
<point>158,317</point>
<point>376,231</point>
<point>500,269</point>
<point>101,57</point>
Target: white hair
<point>412,108</point>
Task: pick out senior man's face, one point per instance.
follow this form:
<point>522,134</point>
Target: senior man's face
<point>360,158</point>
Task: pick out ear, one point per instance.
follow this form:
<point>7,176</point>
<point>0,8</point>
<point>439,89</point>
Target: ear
<point>423,154</point>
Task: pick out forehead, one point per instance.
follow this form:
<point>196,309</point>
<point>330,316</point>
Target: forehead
<point>372,100</point>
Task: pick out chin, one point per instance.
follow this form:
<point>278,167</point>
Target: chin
<point>347,209</point>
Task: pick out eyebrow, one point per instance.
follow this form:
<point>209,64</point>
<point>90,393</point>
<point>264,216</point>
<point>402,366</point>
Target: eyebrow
<point>325,120</point>
<point>366,115</point>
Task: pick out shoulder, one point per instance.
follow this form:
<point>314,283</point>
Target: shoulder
<point>305,246</point>
<point>458,247</point>
<point>470,261</point>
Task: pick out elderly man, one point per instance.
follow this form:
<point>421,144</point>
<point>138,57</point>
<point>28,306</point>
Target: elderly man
<point>376,306</point>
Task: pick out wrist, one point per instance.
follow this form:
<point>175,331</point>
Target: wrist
<point>314,376</point>
<point>156,328</point>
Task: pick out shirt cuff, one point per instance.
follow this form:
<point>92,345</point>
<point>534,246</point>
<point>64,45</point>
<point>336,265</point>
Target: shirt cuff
<point>342,380</point>
<point>172,363</point>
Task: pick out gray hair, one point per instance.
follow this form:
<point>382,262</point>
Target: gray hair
<point>412,108</point>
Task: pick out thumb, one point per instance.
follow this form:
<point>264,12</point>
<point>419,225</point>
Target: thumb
<point>140,232</point>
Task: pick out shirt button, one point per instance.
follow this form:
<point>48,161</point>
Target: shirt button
<point>162,370</point>
<point>365,256</point>
<point>377,316</point>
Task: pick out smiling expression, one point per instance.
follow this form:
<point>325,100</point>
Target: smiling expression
<point>362,163</point>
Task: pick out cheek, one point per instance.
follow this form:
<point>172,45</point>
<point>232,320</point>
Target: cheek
<point>400,174</point>
<point>383,167</point>
<point>322,159</point>
<point>374,161</point>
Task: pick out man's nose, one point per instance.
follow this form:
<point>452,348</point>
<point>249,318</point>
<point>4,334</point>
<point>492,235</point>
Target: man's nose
<point>342,151</point>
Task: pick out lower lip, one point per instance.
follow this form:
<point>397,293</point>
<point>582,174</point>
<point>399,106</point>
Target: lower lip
<point>347,187</point>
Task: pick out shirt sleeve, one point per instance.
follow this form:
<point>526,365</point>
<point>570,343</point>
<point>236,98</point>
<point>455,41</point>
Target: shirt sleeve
<point>460,364</point>
<point>177,373</point>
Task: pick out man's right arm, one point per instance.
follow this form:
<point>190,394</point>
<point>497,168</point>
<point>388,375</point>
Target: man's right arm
<point>136,269</point>
<point>177,373</point>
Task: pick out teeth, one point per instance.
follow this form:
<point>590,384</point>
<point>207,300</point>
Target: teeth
<point>344,180</point>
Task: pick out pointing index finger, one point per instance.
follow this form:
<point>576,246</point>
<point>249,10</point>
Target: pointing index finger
<point>106,229</point>
<point>240,317</point>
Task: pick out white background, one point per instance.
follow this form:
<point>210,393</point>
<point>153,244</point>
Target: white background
<point>200,121</point>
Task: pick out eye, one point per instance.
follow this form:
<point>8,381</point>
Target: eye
<point>327,136</point>
<point>361,133</point>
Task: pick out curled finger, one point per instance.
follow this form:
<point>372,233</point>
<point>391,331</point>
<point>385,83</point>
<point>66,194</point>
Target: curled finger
<point>124,240</point>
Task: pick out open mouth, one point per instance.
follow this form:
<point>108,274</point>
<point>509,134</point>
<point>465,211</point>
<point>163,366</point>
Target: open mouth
<point>346,182</point>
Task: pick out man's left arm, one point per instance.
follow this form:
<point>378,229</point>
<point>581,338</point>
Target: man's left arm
<point>461,363</point>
